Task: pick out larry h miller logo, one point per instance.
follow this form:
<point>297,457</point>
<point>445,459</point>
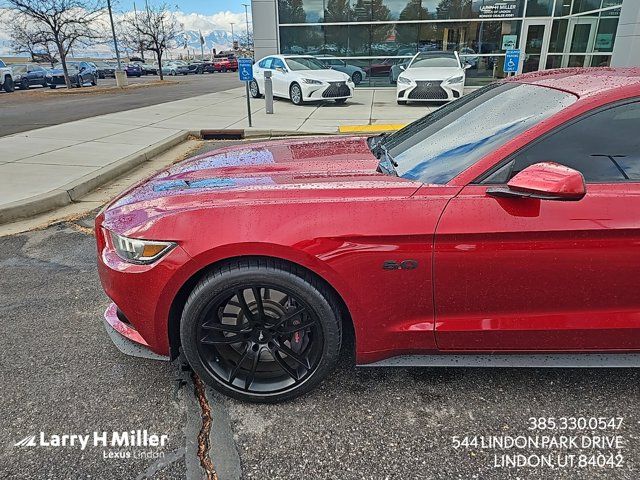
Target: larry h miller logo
<point>123,444</point>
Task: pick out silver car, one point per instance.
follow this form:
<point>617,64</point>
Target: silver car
<point>356,73</point>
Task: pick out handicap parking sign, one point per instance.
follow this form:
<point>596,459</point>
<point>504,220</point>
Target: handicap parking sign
<point>511,61</point>
<point>245,69</point>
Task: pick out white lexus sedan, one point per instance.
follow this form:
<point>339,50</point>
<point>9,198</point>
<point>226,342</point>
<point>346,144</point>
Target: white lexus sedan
<point>431,77</point>
<point>302,79</point>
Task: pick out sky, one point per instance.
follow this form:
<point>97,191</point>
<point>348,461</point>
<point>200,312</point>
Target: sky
<point>204,7</point>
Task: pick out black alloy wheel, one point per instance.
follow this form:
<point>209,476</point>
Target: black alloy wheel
<point>24,85</point>
<point>259,333</point>
<point>356,77</point>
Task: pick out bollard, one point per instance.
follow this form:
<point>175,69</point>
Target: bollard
<point>268,92</point>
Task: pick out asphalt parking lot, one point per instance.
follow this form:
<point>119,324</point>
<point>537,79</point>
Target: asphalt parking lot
<point>61,374</point>
<point>38,107</point>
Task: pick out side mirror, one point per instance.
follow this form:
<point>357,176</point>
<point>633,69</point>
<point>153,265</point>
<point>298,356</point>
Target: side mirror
<point>467,66</point>
<point>403,68</point>
<point>281,70</point>
<point>546,181</point>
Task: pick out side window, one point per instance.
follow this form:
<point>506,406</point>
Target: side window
<point>2,65</point>
<point>277,63</point>
<point>604,147</point>
<point>266,63</point>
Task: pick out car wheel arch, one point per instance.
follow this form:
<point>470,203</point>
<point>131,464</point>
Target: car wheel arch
<point>182,294</point>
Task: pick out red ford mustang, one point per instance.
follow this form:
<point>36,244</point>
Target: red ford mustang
<point>503,229</point>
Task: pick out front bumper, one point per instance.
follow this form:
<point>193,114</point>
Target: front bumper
<point>429,91</point>
<point>126,338</point>
<point>327,91</point>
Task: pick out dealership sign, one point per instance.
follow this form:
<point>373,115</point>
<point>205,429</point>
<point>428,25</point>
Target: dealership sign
<point>497,8</point>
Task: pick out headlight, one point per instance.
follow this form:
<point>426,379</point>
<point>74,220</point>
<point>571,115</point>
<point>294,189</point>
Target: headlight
<point>457,79</point>
<point>404,80</point>
<point>140,251</point>
<point>311,81</point>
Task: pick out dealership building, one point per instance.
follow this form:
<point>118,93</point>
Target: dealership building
<point>375,35</point>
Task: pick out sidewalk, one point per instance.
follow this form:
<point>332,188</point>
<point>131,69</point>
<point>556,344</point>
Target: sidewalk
<point>50,167</point>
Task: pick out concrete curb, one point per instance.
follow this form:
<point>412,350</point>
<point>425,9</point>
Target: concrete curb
<point>73,191</point>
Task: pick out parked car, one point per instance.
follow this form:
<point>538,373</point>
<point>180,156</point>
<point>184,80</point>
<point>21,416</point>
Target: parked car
<point>80,73</point>
<point>105,69</point>
<point>6,78</point>
<point>26,75</point>
<point>356,73</point>
<point>196,67</point>
<point>147,68</point>
<point>495,231</point>
<point>380,68</point>
<point>224,64</point>
<point>432,77</point>
<point>174,68</point>
<point>133,70</point>
<point>301,78</point>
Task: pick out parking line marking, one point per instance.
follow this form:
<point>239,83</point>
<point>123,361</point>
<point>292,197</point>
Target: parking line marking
<point>382,127</point>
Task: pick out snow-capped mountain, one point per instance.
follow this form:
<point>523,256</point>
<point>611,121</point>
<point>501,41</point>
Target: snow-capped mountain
<point>218,39</point>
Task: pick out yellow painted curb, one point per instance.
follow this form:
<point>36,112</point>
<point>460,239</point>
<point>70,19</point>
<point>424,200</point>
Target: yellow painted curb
<point>370,128</point>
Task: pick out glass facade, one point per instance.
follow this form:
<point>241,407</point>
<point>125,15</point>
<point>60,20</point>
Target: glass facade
<point>380,35</point>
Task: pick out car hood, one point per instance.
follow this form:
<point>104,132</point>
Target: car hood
<point>276,171</point>
<point>431,73</point>
<point>325,75</point>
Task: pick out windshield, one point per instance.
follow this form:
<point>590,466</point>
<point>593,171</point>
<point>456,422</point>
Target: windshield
<point>437,147</point>
<point>304,63</point>
<point>435,60</point>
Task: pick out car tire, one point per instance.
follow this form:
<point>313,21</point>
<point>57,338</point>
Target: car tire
<point>254,89</point>
<point>268,363</point>
<point>340,101</point>
<point>223,69</point>
<point>44,83</point>
<point>356,77</point>
<point>79,81</point>
<point>295,94</point>
<point>53,86</point>
<point>402,102</point>
<point>24,84</point>
<point>8,85</point>
<point>391,80</point>
<point>173,73</point>
<point>94,81</point>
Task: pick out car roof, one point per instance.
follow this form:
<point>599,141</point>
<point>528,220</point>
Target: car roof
<point>294,56</point>
<point>586,82</point>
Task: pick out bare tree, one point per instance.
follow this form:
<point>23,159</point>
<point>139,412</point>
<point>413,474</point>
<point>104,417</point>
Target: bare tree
<point>157,30</point>
<point>27,38</point>
<point>69,22</point>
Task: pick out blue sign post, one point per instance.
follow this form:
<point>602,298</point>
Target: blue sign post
<point>511,61</point>
<point>245,72</point>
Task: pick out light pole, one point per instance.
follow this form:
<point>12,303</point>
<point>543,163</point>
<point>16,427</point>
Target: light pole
<point>232,24</point>
<point>246,17</point>
<point>119,74</point>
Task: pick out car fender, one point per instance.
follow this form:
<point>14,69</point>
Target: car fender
<point>216,255</point>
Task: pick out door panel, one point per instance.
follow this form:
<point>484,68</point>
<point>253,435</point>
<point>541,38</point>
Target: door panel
<point>528,274</point>
<point>534,44</point>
